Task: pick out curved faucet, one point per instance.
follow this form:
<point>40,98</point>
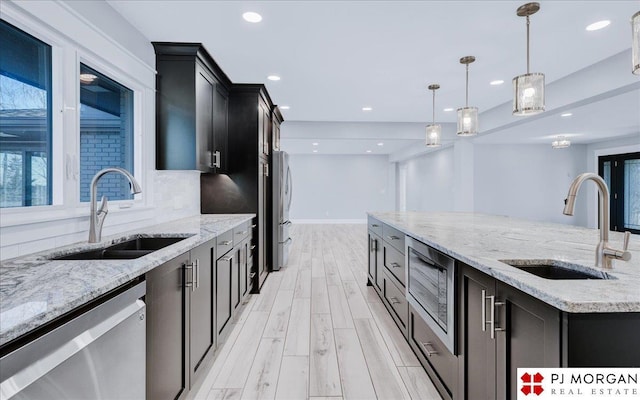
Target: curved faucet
<point>604,253</point>
<point>96,219</point>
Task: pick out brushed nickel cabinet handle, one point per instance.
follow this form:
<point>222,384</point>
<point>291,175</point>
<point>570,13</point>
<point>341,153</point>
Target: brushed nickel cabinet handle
<point>242,233</point>
<point>394,300</point>
<point>393,237</point>
<point>375,225</point>
<point>395,265</point>
<point>226,242</point>
<point>428,348</point>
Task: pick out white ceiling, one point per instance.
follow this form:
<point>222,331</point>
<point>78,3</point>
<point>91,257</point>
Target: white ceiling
<point>336,57</point>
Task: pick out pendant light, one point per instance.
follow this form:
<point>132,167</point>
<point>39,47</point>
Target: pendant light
<point>433,131</point>
<point>560,143</point>
<point>467,116</point>
<point>635,45</point>
<point>528,89</point>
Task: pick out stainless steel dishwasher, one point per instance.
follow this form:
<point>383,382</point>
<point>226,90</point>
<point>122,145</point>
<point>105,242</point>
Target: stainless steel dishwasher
<point>99,354</point>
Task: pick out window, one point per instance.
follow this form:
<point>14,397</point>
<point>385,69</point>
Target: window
<point>622,174</point>
<point>106,133</point>
<point>25,119</point>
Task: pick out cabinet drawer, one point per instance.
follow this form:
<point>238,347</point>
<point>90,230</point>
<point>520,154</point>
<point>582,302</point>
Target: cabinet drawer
<point>397,300</point>
<point>241,232</point>
<point>427,344</point>
<point>375,226</point>
<point>394,237</point>
<point>225,243</point>
<point>394,263</point>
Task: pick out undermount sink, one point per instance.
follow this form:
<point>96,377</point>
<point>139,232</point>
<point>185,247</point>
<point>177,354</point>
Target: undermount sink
<point>557,270</point>
<point>127,250</point>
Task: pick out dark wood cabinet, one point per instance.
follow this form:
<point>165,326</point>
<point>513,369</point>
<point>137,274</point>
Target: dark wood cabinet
<point>167,338</point>
<point>517,331</point>
<point>375,262</point>
<point>201,306</point>
<point>191,109</point>
<point>223,279</point>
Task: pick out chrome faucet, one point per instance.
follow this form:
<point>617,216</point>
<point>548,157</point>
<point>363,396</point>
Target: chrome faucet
<point>604,253</point>
<point>97,216</point>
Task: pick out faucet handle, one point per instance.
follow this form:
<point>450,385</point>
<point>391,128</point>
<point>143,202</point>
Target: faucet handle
<point>103,206</point>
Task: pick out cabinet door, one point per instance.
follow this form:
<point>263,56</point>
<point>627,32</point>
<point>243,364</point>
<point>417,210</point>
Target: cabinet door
<point>264,129</point>
<point>221,127</point>
<point>379,264</point>
<point>167,339</point>
<point>372,258</point>
<point>528,338</point>
<point>224,266</point>
<point>478,347</point>
<point>263,206</point>
<point>202,333</point>
<point>244,248</point>
<point>205,89</point>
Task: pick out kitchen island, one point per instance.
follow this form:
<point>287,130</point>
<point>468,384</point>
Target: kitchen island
<point>473,319</point>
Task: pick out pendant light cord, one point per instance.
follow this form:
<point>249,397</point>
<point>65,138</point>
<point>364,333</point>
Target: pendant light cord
<point>527,44</point>
<point>466,101</point>
<point>433,116</point>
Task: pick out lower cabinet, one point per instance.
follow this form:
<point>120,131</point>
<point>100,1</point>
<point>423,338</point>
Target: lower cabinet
<point>376,263</point>
<point>224,268</point>
<point>179,321</point>
<point>502,329</point>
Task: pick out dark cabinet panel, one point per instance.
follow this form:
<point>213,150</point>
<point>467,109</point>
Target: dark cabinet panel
<point>478,348</point>
<point>376,262</point>
<point>167,339</point>
<point>224,266</point>
<point>201,332</point>
<point>191,109</point>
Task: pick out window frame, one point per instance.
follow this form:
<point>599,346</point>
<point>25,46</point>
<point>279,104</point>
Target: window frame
<point>617,188</point>
<point>66,56</point>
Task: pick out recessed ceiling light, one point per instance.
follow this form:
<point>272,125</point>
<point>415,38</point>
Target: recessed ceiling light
<point>598,25</point>
<point>566,114</point>
<point>380,144</point>
<point>496,82</point>
<point>314,143</point>
<point>252,17</point>
<point>367,108</point>
<point>315,151</point>
<point>284,107</point>
<point>273,77</point>
<point>368,151</point>
<point>448,109</point>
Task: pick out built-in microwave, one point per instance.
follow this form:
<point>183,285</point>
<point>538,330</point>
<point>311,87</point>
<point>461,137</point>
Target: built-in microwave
<point>432,289</point>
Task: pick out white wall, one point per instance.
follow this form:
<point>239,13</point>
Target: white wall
<point>430,181</point>
<point>528,181</point>
<point>338,188</point>
<point>94,31</point>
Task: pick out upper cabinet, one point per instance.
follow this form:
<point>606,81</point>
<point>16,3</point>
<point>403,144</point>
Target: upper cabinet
<point>191,109</point>
<point>276,121</point>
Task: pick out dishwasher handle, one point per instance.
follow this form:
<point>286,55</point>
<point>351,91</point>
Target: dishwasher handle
<point>116,313</point>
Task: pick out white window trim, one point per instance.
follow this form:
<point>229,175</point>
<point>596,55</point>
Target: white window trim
<point>66,55</point>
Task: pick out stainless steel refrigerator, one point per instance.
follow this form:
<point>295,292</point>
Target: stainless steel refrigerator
<point>282,191</point>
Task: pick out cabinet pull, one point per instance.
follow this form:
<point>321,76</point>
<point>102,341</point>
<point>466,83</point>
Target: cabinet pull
<point>253,246</point>
<point>215,159</point>
<point>492,312</point>
<point>394,300</point>
<point>375,225</point>
<point>266,169</point>
<point>428,348</point>
<point>251,275</point>
<point>226,242</point>
<point>395,265</point>
<point>393,237</point>
<point>192,282</point>
<point>227,258</point>
<point>241,233</point>
<point>253,226</point>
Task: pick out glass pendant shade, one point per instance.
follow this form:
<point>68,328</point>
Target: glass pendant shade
<point>561,143</point>
<point>433,134</point>
<point>467,121</point>
<point>528,94</point>
<point>635,46</point>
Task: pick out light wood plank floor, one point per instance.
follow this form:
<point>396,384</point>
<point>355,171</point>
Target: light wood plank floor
<point>317,331</point>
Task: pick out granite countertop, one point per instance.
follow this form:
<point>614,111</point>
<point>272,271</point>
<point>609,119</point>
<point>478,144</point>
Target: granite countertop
<point>35,290</point>
<point>482,240</point>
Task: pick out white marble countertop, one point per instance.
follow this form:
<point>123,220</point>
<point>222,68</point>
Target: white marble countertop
<point>35,290</point>
<point>481,240</point>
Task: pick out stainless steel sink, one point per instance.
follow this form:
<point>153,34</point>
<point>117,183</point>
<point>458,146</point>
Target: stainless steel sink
<point>127,250</point>
<point>557,270</point>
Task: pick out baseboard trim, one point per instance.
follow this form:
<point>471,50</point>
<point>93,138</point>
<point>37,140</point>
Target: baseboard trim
<point>329,221</point>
